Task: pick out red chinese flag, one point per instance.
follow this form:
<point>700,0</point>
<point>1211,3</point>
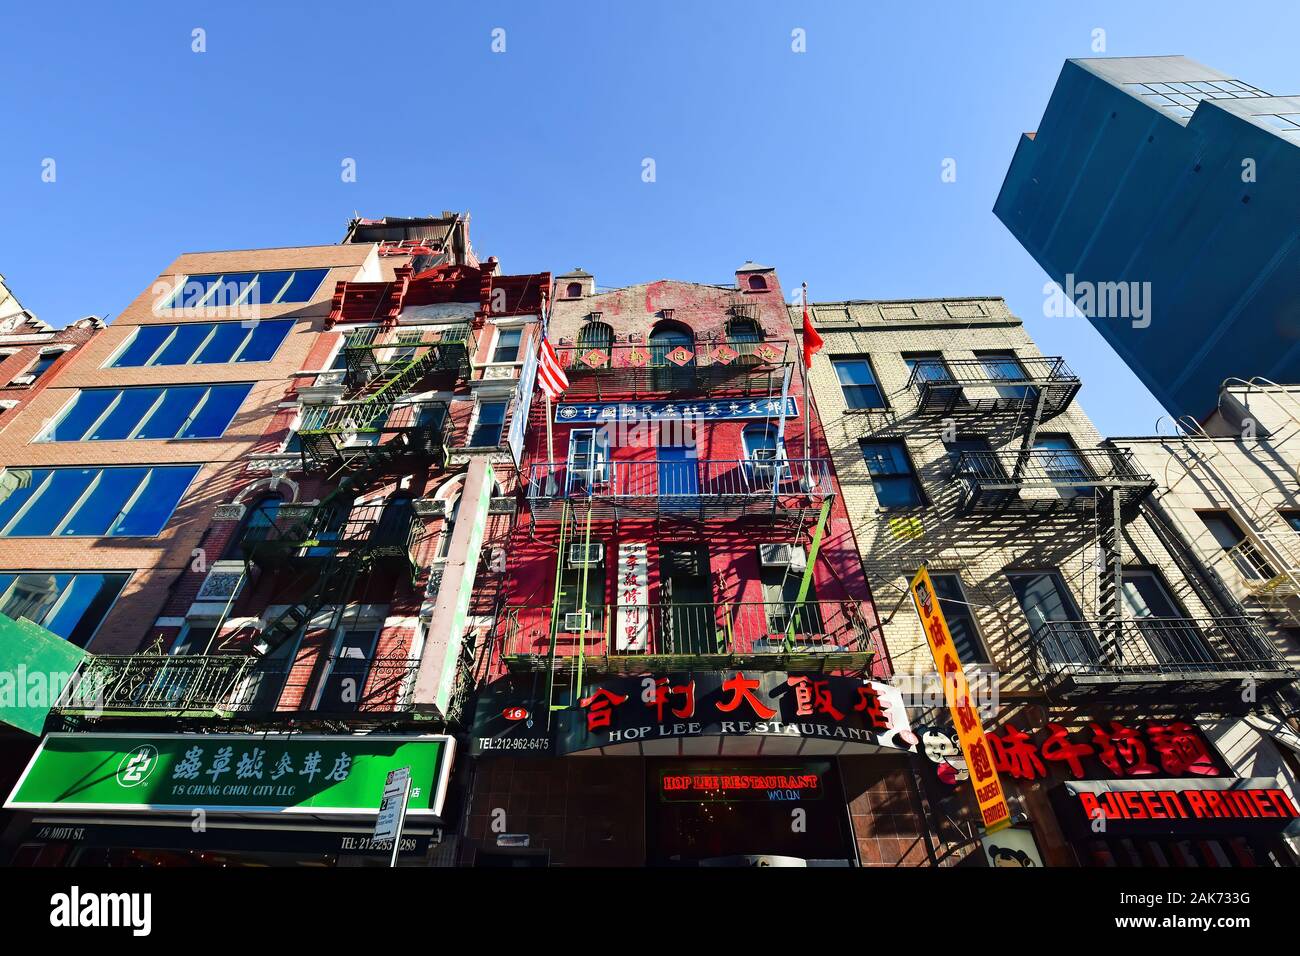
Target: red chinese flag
<point>812,341</point>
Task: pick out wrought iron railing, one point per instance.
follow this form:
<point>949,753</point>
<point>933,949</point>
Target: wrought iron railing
<point>1043,477</point>
<point>686,629</point>
<point>633,368</point>
<point>322,531</point>
<point>990,385</point>
<point>368,350</point>
<point>1083,654</point>
<point>227,684</point>
<point>691,486</point>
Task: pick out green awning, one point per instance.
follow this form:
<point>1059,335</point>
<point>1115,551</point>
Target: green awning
<point>35,668</point>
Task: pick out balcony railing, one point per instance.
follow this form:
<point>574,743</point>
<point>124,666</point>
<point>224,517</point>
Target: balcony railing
<point>317,533</point>
<point>362,433</point>
<point>725,366</point>
<point>1164,657</point>
<point>987,386</point>
<point>817,635</point>
<point>1043,479</point>
<point>230,684</point>
<point>368,351</point>
<point>696,488</point>
<point>1263,575</point>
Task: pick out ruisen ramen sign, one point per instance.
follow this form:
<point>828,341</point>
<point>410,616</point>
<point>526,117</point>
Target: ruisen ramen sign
<point>234,773</point>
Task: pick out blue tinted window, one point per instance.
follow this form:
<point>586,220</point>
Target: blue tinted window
<point>269,287</point>
<point>303,285</point>
<point>223,345</point>
<point>173,411</point>
<point>183,344</point>
<point>214,415</point>
<point>155,505</point>
<point>82,606</point>
<point>192,291</point>
<point>111,505</point>
<point>147,340</point>
<point>106,501</point>
<point>84,412</point>
<point>50,504</point>
<point>16,486</point>
<point>131,407</point>
<point>266,338</point>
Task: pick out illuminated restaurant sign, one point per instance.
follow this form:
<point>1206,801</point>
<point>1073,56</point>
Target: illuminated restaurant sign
<point>1121,807</point>
<point>733,784</point>
<point>781,712</point>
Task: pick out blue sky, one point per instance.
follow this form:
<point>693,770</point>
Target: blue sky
<point>826,163</point>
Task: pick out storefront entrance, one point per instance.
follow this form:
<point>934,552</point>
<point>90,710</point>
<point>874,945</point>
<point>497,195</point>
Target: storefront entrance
<point>717,811</point>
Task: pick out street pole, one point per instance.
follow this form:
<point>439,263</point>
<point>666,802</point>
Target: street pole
<point>401,821</point>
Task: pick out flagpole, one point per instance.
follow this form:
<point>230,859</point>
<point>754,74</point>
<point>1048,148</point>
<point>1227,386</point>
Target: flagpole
<point>807,407</point>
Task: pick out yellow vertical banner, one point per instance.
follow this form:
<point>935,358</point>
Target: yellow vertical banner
<point>965,718</point>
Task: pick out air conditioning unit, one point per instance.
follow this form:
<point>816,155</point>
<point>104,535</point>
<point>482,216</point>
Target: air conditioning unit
<point>782,556</point>
<point>577,621</point>
<point>581,555</point>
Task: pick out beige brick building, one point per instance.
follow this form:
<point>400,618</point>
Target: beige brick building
<point>959,446</point>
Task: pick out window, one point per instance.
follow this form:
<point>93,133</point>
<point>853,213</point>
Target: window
<point>892,475</point>
<point>507,346</point>
<point>247,288</point>
<point>1229,536</point>
<point>781,602</point>
<point>1169,636</point>
<point>258,521</point>
<point>1292,518</point>
<point>1046,601</point>
<point>859,383</point>
<point>178,411</point>
<point>69,604</point>
<point>575,614</point>
<point>1062,463</point>
<point>961,622</point>
<point>343,684</point>
<point>42,365</point>
<point>668,338</point>
<point>449,528</point>
<point>194,639</point>
<point>763,449</point>
<point>1005,367</point>
<point>202,343</point>
<point>929,367</point>
<point>487,431</point>
<point>757,283</point>
<point>573,290</point>
<point>596,335</point>
<point>92,502</point>
<point>588,460</point>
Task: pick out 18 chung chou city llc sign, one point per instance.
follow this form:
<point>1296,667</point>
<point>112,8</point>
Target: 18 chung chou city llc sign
<point>233,773</point>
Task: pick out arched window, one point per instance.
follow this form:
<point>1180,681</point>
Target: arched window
<point>667,337</point>
<point>595,335</point>
<point>757,283</point>
<point>573,290</point>
<point>257,525</point>
<point>449,526</point>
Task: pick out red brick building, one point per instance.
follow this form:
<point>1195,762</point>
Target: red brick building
<point>686,607</point>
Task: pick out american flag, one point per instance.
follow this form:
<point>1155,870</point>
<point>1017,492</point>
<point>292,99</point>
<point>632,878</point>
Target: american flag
<point>549,374</point>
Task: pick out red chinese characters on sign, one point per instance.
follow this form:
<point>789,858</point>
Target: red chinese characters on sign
<point>663,692</point>
<point>813,697</point>
<point>869,703</point>
<point>742,690</point>
<point>600,707</point>
<point>1124,751</point>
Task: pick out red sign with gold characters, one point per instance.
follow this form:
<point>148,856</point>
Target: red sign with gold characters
<point>965,718</point>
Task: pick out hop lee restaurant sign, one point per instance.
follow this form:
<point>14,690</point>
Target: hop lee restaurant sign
<point>234,773</point>
<point>776,712</point>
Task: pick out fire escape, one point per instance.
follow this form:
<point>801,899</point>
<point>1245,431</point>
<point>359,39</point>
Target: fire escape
<point>1120,653</point>
<point>323,551</point>
<point>763,497</point>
